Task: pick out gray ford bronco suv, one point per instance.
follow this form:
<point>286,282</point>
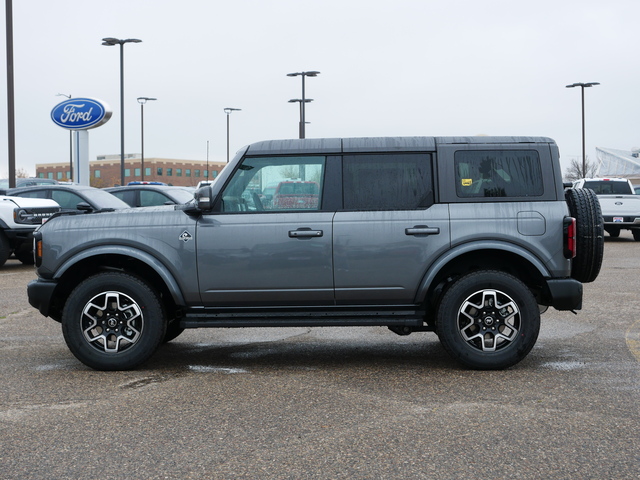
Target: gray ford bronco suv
<point>468,237</point>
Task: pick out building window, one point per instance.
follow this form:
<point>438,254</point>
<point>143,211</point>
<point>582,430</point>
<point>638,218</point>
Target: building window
<point>147,172</point>
<point>96,173</point>
<point>127,172</point>
<point>178,172</point>
<point>197,173</point>
<point>137,172</point>
<point>214,173</point>
<point>169,172</point>
<point>41,175</point>
<point>59,175</point>
<point>50,175</point>
<point>69,175</point>
<point>187,172</point>
<point>206,174</point>
<point>159,172</point>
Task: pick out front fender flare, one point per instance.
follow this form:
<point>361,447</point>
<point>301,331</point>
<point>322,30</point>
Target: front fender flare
<point>162,271</point>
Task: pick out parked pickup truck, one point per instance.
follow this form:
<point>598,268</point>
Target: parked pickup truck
<point>619,203</point>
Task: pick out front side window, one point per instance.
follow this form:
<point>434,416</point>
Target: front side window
<point>275,184</point>
<point>500,173</point>
<point>150,198</point>
<point>394,181</point>
<point>68,200</point>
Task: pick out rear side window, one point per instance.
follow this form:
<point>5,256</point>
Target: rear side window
<point>500,173</point>
<point>396,181</point>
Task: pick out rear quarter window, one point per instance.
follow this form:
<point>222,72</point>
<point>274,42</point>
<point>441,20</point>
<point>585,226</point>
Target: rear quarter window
<point>499,173</point>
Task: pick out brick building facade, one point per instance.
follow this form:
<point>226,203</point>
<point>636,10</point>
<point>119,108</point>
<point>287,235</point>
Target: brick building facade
<point>105,172</point>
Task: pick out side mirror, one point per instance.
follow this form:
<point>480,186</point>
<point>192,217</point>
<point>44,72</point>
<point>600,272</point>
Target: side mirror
<point>84,207</point>
<point>204,198</point>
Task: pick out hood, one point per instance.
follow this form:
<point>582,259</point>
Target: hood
<point>25,202</point>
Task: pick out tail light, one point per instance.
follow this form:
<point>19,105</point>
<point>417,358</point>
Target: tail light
<point>569,229</point>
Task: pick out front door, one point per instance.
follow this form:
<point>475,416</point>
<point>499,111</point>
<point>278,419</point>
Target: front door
<point>257,250</point>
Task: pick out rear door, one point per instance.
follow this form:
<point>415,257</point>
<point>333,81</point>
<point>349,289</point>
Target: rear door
<point>389,231</point>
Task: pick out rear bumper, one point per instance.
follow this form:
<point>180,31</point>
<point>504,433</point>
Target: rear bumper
<point>564,294</point>
<point>40,292</point>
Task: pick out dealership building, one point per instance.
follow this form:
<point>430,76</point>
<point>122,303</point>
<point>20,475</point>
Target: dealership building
<point>105,171</point>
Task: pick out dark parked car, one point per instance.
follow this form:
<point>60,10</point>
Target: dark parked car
<point>27,182</point>
<point>148,195</point>
<point>72,197</point>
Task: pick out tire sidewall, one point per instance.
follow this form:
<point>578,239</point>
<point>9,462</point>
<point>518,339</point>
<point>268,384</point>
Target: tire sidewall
<point>153,330</point>
<point>470,356</point>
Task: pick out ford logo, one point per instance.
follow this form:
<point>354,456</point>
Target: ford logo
<point>81,113</point>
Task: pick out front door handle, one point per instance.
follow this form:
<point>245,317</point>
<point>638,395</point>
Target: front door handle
<point>305,233</point>
<point>422,230</point>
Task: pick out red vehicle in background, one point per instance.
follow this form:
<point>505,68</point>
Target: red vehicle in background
<point>294,194</point>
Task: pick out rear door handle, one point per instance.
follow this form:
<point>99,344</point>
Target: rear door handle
<point>305,233</point>
<point>422,230</point>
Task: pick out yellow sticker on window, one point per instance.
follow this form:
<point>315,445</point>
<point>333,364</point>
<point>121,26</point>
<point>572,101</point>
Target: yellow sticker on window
<point>466,182</point>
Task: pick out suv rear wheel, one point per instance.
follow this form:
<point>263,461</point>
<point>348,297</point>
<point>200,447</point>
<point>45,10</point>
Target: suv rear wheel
<point>488,320</point>
<point>113,321</point>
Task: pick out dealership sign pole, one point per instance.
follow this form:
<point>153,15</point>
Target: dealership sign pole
<point>79,115</point>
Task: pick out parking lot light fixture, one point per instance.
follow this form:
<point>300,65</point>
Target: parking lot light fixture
<point>584,155</point>
<point>228,111</point>
<point>142,101</point>
<point>110,42</point>
<point>303,100</point>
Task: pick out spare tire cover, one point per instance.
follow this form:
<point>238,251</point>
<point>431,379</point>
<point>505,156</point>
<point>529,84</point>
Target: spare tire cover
<point>585,208</point>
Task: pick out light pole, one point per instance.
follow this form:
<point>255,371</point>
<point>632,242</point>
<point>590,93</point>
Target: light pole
<point>70,143</point>
<point>142,101</point>
<point>303,100</point>
<point>110,42</point>
<point>584,156</point>
<point>228,111</point>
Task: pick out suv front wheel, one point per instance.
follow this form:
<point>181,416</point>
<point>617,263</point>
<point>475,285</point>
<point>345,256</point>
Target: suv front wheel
<point>113,321</point>
<point>488,320</point>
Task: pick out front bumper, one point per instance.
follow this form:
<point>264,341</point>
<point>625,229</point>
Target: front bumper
<point>40,293</point>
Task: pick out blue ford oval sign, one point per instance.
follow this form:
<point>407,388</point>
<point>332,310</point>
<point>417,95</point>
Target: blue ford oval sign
<point>81,113</point>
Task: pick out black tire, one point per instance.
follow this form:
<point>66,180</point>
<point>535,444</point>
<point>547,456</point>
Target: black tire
<point>585,208</point>
<point>612,231</point>
<point>25,256</point>
<point>113,321</point>
<point>5,249</point>
<point>636,235</point>
<point>488,320</point>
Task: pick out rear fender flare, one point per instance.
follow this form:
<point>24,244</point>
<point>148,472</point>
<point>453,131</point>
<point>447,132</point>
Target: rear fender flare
<point>463,249</point>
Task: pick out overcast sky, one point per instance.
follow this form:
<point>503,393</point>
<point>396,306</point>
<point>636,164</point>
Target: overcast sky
<point>388,67</point>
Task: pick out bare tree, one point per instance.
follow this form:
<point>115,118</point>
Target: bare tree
<point>574,171</point>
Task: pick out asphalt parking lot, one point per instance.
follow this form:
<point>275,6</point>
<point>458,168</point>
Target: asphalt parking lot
<point>357,403</point>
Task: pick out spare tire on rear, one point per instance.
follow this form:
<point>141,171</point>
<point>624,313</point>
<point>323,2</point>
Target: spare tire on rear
<point>585,208</point>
